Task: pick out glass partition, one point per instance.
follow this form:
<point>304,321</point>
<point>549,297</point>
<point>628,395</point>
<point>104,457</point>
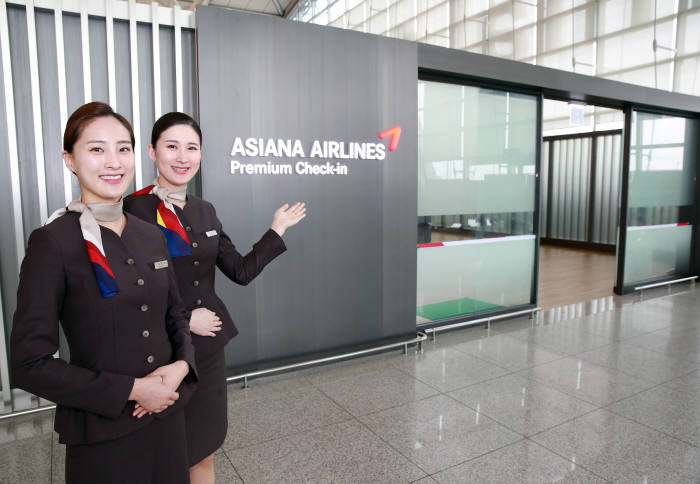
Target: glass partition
<point>477,149</point>
<point>661,197</point>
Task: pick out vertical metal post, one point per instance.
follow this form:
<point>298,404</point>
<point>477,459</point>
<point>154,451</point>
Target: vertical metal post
<point>155,29</point>
<point>111,63</point>
<point>36,113</point>
<point>4,362</point>
<point>624,195</point>
<point>179,103</point>
<point>135,103</point>
<point>62,92</point>
<point>536,214</point>
<point>85,41</point>
<point>591,188</point>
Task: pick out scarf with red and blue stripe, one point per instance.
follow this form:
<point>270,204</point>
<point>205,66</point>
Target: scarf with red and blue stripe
<point>90,214</point>
<point>167,220</point>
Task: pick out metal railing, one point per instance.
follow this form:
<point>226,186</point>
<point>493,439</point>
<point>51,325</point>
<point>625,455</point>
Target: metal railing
<point>476,322</point>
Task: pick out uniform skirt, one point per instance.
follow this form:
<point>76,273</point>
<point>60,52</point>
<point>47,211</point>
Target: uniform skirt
<point>205,413</point>
<point>154,454</point>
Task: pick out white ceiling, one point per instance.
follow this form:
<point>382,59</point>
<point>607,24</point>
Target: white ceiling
<point>270,7</point>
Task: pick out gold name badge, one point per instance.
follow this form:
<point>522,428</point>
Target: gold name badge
<point>161,264</point>
<point>211,233</point>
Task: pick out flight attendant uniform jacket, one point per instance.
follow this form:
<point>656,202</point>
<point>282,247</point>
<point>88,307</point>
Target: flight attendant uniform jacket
<point>112,340</point>
<point>210,248</point>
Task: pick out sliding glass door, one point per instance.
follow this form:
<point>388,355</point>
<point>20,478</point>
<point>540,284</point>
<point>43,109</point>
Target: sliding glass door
<point>659,215</point>
<point>477,152</point>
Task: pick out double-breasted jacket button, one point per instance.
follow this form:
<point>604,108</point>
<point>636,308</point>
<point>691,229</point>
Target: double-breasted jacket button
<point>144,307</point>
<point>140,282</point>
<point>195,244</point>
<point>146,333</point>
<point>195,283</point>
<point>150,359</point>
<point>188,228</point>
<point>196,263</point>
<point>130,261</point>
<point>198,302</point>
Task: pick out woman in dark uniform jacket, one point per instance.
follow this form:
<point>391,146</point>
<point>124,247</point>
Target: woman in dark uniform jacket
<point>198,245</point>
<point>108,279</point>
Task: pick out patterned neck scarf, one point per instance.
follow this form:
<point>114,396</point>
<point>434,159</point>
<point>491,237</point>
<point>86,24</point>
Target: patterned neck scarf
<point>167,219</point>
<point>89,216</point>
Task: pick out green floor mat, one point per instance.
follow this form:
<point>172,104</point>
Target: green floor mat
<point>455,307</point>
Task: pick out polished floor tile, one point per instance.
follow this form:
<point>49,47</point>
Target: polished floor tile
<point>510,353</point>
<point>342,453</point>
<point>376,391</point>
<point>279,415</point>
<point>638,361</point>
<point>355,367</point>
<point>521,404</point>
<point>673,412</point>
<point>262,388</point>
<point>587,381</point>
<point>562,338</point>
<point>439,432</point>
<point>469,408</point>
<point>674,342</point>
<point>448,369</point>
<point>621,450</point>
<point>224,470</point>
<point>623,323</point>
<point>522,462</point>
<point>689,384</point>
<point>26,460</point>
<point>58,461</point>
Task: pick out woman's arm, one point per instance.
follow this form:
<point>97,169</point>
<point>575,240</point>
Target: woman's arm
<point>177,325</point>
<point>34,339</point>
<point>243,269</point>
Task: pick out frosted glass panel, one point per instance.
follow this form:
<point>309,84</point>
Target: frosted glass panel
<point>476,150</point>
<point>476,199</point>
<point>657,252</point>
<point>661,197</point>
<point>474,276</point>
<point>661,172</point>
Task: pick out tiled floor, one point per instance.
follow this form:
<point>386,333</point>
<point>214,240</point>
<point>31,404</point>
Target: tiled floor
<point>603,392</point>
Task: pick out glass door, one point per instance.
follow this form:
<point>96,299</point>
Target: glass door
<point>657,224</point>
<point>477,152</point>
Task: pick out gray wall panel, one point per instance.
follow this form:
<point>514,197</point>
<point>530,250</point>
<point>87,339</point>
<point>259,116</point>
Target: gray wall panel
<point>122,68</point>
<point>145,50</point>
<point>50,112</point>
<point>99,84</point>
<point>19,52</point>
<point>122,54</point>
<point>167,69</point>
<point>8,252</point>
<point>72,50</point>
<point>189,73</point>
<point>349,274</point>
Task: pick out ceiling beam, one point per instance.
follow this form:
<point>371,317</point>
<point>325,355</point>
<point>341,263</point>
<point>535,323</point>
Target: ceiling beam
<point>290,7</point>
<point>278,7</point>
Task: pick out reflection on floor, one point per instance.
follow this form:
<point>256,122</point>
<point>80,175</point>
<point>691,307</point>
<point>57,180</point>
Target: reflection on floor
<point>573,275</point>
<point>600,392</point>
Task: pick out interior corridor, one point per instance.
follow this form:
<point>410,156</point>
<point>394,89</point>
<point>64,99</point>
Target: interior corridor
<point>570,276</point>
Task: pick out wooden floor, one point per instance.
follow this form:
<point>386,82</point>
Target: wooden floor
<point>569,276</point>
